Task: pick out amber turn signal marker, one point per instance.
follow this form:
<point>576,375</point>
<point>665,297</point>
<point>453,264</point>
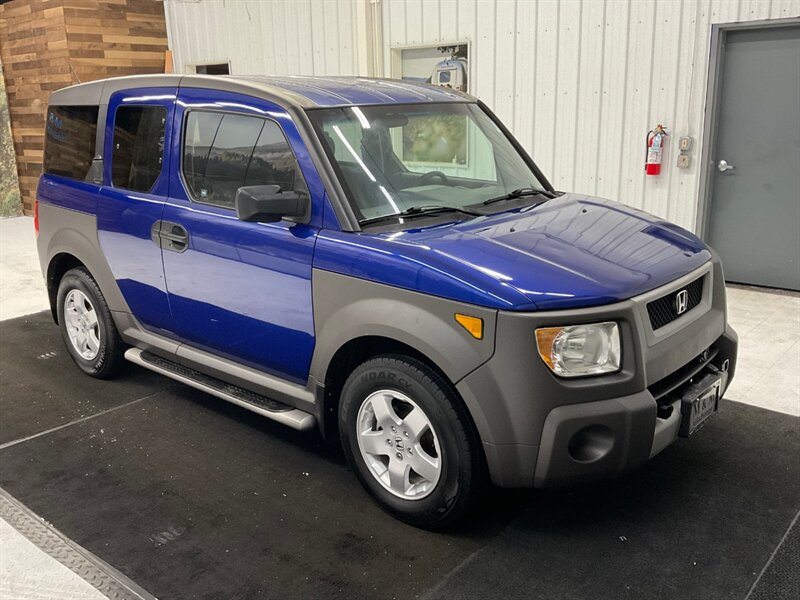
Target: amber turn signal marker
<point>544,342</point>
<point>474,325</point>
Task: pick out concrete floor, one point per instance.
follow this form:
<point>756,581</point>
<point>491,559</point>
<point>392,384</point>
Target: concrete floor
<point>22,289</point>
<point>768,369</point>
<point>768,376</point>
<point>26,572</point>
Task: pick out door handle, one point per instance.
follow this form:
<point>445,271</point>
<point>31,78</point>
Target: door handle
<point>723,166</point>
<point>170,236</point>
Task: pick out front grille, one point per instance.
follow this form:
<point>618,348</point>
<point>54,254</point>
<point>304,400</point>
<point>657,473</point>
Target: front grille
<point>663,311</point>
<point>663,389</point>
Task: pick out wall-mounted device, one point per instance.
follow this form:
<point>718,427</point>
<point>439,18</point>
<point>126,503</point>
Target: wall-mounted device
<point>684,147</point>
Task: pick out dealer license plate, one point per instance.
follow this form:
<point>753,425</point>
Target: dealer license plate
<point>698,406</point>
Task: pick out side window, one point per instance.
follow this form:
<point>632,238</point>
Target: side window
<point>228,159</point>
<point>222,153</point>
<point>198,136</point>
<point>273,162</point>
<point>70,140</point>
<point>138,147</point>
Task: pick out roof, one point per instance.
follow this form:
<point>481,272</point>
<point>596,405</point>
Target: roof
<point>301,91</point>
<point>347,91</point>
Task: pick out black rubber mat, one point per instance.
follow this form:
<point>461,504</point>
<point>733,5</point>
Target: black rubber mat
<point>781,577</point>
<point>699,521</point>
<point>193,498</point>
<point>40,388</point>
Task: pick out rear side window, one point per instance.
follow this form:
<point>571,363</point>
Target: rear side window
<point>225,152</point>
<point>70,140</point>
<point>138,147</point>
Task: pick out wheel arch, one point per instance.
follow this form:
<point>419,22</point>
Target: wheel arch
<point>56,269</point>
<point>357,319</point>
<point>353,353</point>
<point>73,243</point>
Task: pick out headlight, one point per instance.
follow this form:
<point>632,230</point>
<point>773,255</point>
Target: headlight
<point>579,350</point>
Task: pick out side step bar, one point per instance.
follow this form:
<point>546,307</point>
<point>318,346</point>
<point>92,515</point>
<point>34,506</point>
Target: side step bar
<point>286,415</point>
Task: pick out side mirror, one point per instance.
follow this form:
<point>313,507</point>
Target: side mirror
<point>269,204</point>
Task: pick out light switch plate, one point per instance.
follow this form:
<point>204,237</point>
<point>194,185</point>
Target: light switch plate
<point>685,144</point>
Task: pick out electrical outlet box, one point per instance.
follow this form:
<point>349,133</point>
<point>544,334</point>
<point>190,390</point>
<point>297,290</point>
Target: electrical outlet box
<point>685,144</point>
<point>683,161</point>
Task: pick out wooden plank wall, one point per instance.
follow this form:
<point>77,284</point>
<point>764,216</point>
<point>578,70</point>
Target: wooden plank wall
<point>110,38</point>
<point>33,42</point>
<point>49,44</point>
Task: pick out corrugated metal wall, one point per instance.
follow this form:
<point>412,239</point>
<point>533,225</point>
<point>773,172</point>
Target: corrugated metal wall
<point>276,37</point>
<point>579,82</point>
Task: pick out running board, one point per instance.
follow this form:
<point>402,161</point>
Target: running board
<point>282,413</point>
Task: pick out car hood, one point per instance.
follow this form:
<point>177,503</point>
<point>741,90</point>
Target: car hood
<point>568,252</point>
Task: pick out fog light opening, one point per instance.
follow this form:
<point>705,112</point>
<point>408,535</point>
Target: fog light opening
<point>591,443</point>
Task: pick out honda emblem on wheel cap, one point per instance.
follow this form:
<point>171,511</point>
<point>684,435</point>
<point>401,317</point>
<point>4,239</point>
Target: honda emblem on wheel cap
<point>681,302</point>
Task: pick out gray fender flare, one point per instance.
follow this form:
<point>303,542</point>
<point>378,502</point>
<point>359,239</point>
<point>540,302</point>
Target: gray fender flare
<point>76,235</point>
<point>347,308</point>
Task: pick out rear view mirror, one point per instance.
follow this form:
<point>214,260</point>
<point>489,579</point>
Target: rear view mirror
<point>269,204</point>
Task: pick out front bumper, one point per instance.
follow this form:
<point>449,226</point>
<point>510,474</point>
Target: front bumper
<point>540,430</point>
<point>592,440</point>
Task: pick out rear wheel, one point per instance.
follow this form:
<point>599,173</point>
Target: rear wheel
<point>410,441</point>
<point>87,327</point>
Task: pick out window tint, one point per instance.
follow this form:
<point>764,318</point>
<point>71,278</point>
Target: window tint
<point>70,140</point>
<point>272,162</point>
<point>138,147</point>
<point>227,162</point>
<point>224,152</point>
<point>201,127</point>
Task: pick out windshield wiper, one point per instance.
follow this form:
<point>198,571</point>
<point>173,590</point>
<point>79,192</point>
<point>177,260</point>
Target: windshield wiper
<point>418,211</point>
<point>519,193</point>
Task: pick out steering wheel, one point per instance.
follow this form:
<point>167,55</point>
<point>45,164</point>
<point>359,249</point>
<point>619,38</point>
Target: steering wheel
<point>431,175</point>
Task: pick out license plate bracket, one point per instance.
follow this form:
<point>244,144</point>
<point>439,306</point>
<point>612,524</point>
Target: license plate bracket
<point>698,403</point>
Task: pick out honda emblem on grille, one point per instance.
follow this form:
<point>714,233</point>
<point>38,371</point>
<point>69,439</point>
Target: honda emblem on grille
<point>681,302</point>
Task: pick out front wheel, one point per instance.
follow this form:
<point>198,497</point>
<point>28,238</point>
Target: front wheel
<point>410,441</point>
<point>86,324</point>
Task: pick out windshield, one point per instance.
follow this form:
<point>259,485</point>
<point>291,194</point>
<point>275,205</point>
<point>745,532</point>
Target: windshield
<point>392,158</point>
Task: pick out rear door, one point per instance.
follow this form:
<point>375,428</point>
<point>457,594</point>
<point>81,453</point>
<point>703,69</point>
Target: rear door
<point>240,290</point>
<point>132,198</point>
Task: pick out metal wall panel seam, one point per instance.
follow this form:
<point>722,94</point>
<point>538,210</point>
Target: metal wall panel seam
<point>600,101</point>
<point>625,96</point>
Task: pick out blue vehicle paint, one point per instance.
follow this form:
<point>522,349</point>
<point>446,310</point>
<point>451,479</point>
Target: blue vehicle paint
<point>68,193</point>
<point>243,290</point>
<point>567,253</point>
<point>125,218</point>
<point>345,91</point>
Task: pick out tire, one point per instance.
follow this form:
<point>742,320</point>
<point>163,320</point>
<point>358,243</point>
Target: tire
<point>86,325</point>
<point>439,439</point>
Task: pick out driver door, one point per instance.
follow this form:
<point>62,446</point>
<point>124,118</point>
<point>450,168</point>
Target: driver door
<point>237,289</point>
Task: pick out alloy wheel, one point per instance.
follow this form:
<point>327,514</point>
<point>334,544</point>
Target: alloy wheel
<point>399,444</point>
<point>82,325</point>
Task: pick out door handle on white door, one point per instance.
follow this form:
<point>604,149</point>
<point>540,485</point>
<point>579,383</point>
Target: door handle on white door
<point>723,166</point>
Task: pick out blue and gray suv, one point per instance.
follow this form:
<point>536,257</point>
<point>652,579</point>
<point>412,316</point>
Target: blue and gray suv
<point>380,260</point>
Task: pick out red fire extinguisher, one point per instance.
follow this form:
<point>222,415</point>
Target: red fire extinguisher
<point>655,150</point>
